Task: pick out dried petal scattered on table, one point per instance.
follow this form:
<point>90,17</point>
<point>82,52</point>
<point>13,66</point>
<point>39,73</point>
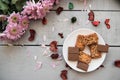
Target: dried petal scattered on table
<point>61,35</point>
<point>65,20</point>
<point>44,38</point>
<point>59,58</point>
<point>43,45</point>
<point>38,65</point>
<point>63,74</point>
<point>54,64</point>
<point>85,4</point>
<point>96,23</point>
<point>53,46</point>
<point>107,23</point>
<point>32,34</point>
<point>117,63</point>
<point>91,15</point>
<point>101,66</point>
<point>66,65</point>
<point>44,21</point>
<point>53,29</point>
<point>70,6</point>
<point>28,53</point>
<point>35,58</point>
<point>45,52</point>
<point>59,10</point>
<point>73,19</point>
<point>54,56</point>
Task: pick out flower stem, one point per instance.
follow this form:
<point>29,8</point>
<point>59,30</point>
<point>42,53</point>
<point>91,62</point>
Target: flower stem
<point>33,1</point>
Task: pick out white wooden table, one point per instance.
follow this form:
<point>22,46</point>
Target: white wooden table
<point>17,63</point>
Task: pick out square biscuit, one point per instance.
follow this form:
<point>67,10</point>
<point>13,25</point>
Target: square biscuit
<point>94,51</point>
<point>80,42</point>
<point>82,66</point>
<point>103,48</point>
<point>85,58</point>
<point>91,39</point>
<point>73,53</point>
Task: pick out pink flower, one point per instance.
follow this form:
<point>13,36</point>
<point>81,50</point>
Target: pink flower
<point>37,10</point>
<point>30,10</point>
<point>14,17</point>
<point>3,36</point>
<point>3,17</point>
<point>40,11</point>
<point>52,1</point>
<point>13,31</point>
<point>47,5</point>
<point>55,1</point>
<point>24,22</point>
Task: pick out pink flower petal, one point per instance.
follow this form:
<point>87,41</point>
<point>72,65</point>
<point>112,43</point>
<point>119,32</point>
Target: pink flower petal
<point>38,65</point>
<point>65,20</point>
<point>54,64</point>
<point>85,4</point>
<point>46,52</point>
<point>87,22</point>
<point>53,29</point>
<point>43,45</point>
<point>44,38</point>
<point>35,58</point>
<point>28,53</point>
<point>60,58</point>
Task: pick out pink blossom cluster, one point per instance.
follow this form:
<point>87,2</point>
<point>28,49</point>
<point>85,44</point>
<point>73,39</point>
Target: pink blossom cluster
<point>16,27</point>
<point>38,10</point>
<point>18,23</point>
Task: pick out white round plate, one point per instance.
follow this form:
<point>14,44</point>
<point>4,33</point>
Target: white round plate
<point>70,41</point>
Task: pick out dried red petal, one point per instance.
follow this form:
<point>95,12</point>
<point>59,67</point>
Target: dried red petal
<point>101,66</point>
<point>53,46</point>
<point>63,74</point>
<point>59,10</point>
<point>44,21</point>
<point>67,66</point>
<point>61,35</point>
<point>96,23</point>
<point>32,35</point>
<point>91,16</point>
<point>117,63</point>
<point>107,23</point>
<point>54,56</point>
<point>108,26</point>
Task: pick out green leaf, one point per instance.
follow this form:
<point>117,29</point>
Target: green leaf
<point>6,1</point>
<point>12,8</point>
<point>3,25</point>
<point>36,1</point>
<point>4,7</point>
<point>19,4</point>
<point>14,1</point>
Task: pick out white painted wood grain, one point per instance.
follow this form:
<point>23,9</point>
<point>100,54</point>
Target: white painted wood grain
<point>16,65</point>
<point>62,23</point>
<point>95,4</point>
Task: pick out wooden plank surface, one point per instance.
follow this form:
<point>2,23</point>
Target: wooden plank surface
<point>95,4</point>
<point>63,24</point>
<point>15,64</point>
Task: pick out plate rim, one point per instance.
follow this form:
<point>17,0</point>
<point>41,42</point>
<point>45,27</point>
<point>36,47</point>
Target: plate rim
<point>70,35</point>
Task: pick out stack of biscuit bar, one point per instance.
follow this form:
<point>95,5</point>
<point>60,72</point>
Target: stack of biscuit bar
<point>77,53</point>
<point>91,41</point>
<point>84,60</point>
<point>80,42</point>
<point>73,53</point>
